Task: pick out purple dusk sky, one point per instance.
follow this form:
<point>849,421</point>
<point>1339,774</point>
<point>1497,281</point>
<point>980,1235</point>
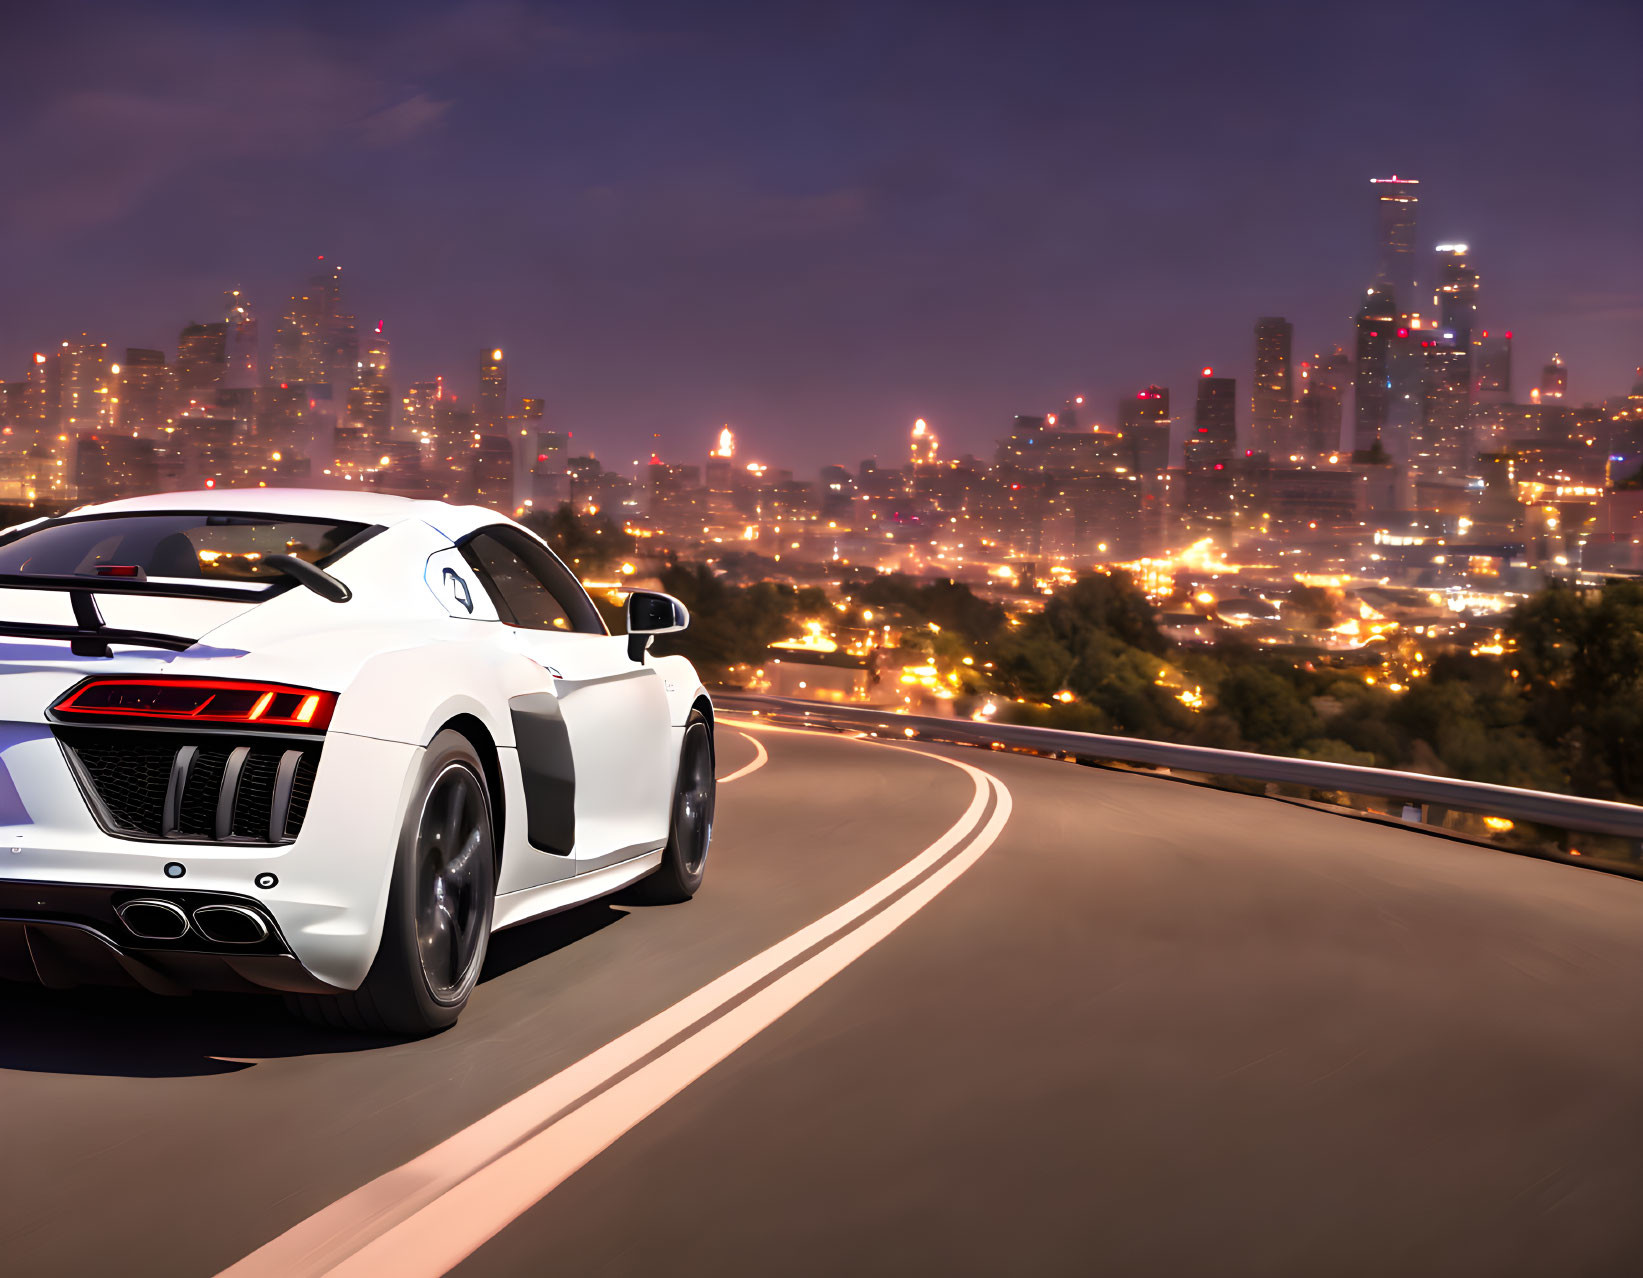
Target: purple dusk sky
<point>819,221</point>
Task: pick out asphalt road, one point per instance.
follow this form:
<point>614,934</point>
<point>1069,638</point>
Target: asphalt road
<point>1116,1025</point>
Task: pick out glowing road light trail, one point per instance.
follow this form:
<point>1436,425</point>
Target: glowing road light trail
<point>516,1155</point>
<point>761,756</point>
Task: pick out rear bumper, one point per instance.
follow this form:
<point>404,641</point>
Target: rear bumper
<point>326,906</point>
<point>61,936</point>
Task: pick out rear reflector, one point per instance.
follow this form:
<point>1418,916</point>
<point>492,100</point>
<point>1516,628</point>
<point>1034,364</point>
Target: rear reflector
<point>273,705</point>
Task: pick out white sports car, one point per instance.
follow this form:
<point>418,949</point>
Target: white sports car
<point>324,743</point>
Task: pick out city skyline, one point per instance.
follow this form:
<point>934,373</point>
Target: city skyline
<point>307,336</point>
<point>661,258</point>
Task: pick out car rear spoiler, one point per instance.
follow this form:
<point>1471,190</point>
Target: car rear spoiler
<point>90,635</point>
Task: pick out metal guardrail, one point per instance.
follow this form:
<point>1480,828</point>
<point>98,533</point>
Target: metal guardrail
<point>1541,807</point>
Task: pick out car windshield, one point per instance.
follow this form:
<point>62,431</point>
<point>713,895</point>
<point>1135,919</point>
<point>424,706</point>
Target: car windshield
<point>209,546</point>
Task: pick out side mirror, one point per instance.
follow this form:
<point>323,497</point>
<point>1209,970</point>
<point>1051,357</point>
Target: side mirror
<point>652,613</point>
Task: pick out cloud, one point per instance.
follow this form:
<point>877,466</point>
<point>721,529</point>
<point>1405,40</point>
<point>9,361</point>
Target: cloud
<point>115,112</point>
<point>180,101</point>
<point>402,121</point>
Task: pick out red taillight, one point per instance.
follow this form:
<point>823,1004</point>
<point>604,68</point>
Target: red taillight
<point>274,705</point>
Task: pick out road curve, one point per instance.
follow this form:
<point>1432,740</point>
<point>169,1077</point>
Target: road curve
<point>1096,1022</point>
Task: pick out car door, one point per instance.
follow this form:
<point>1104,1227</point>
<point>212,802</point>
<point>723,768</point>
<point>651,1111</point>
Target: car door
<point>596,743</point>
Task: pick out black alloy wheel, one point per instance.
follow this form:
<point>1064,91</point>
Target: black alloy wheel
<point>452,918</point>
<point>690,832</point>
<point>693,804</point>
<point>441,898</point>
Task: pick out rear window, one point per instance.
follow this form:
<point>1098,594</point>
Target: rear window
<point>190,547</point>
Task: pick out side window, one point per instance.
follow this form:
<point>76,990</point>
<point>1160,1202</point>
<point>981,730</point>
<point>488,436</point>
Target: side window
<point>530,587</point>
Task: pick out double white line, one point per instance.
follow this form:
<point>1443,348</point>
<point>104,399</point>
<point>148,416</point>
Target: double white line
<point>423,1219</point>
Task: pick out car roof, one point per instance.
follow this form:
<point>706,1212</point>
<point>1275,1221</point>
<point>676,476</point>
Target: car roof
<point>329,504</point>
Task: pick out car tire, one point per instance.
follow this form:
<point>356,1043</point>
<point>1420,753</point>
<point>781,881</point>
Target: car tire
<point>440,904</point>
<point>690,827</point>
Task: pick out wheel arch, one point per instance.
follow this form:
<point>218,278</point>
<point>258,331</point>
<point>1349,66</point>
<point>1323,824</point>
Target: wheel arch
<point>703,704</point>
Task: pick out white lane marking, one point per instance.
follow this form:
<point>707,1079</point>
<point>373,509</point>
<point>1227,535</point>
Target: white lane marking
<point>327,1238</point>
<point>451,1228</point>
<point>761,757</point>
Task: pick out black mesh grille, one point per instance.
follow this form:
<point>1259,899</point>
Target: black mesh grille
<point>131,780</point>
<point>256,798</point>
<point>301,789</point>
<point>130,771</point>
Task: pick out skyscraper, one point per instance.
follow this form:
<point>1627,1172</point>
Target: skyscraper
<point>108,466</point>
<point>202,358</point>
<point>43,473</point>
<point>491,468</point>
<point>369,410</point>
<point>493,389</point>
<point>1377,321</point>
<point>549,476</point>
<point>1554,379</point>
<point>1214,435</point>
<point>315,342</point>
<point>40,410</point>
<point>144,391</point>
<point>923,446</point>
<point>1211,447</point>
<point>1150,404</point>
<point>1272,401</point>
<point>1396,200</point>
<point>370,400</point>
<point>1492,366</point>
<point>1321,406</point>
<point>1444,444</point>
<point>372,365</point>
<point>1407,350</point>
<point>454,438</point>
<point>922,450</point>
<point>1457,296</point>
<point>83,386</point>
<point>524,425</point>
<point>241,353</point>
<point>1144,421</point>
<point>416,409</point>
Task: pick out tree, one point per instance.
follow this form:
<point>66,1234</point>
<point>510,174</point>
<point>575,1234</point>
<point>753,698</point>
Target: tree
<point>1104,601</point>
<point>1269,711</point>
<point>1097,639</point>
<point>1579,661</point>
<point>949,604</point>
<point>590,544</point>
<point>729,625</point>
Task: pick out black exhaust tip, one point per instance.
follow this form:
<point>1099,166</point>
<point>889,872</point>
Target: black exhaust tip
<point>230,924</point>
<point>153,919</point>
